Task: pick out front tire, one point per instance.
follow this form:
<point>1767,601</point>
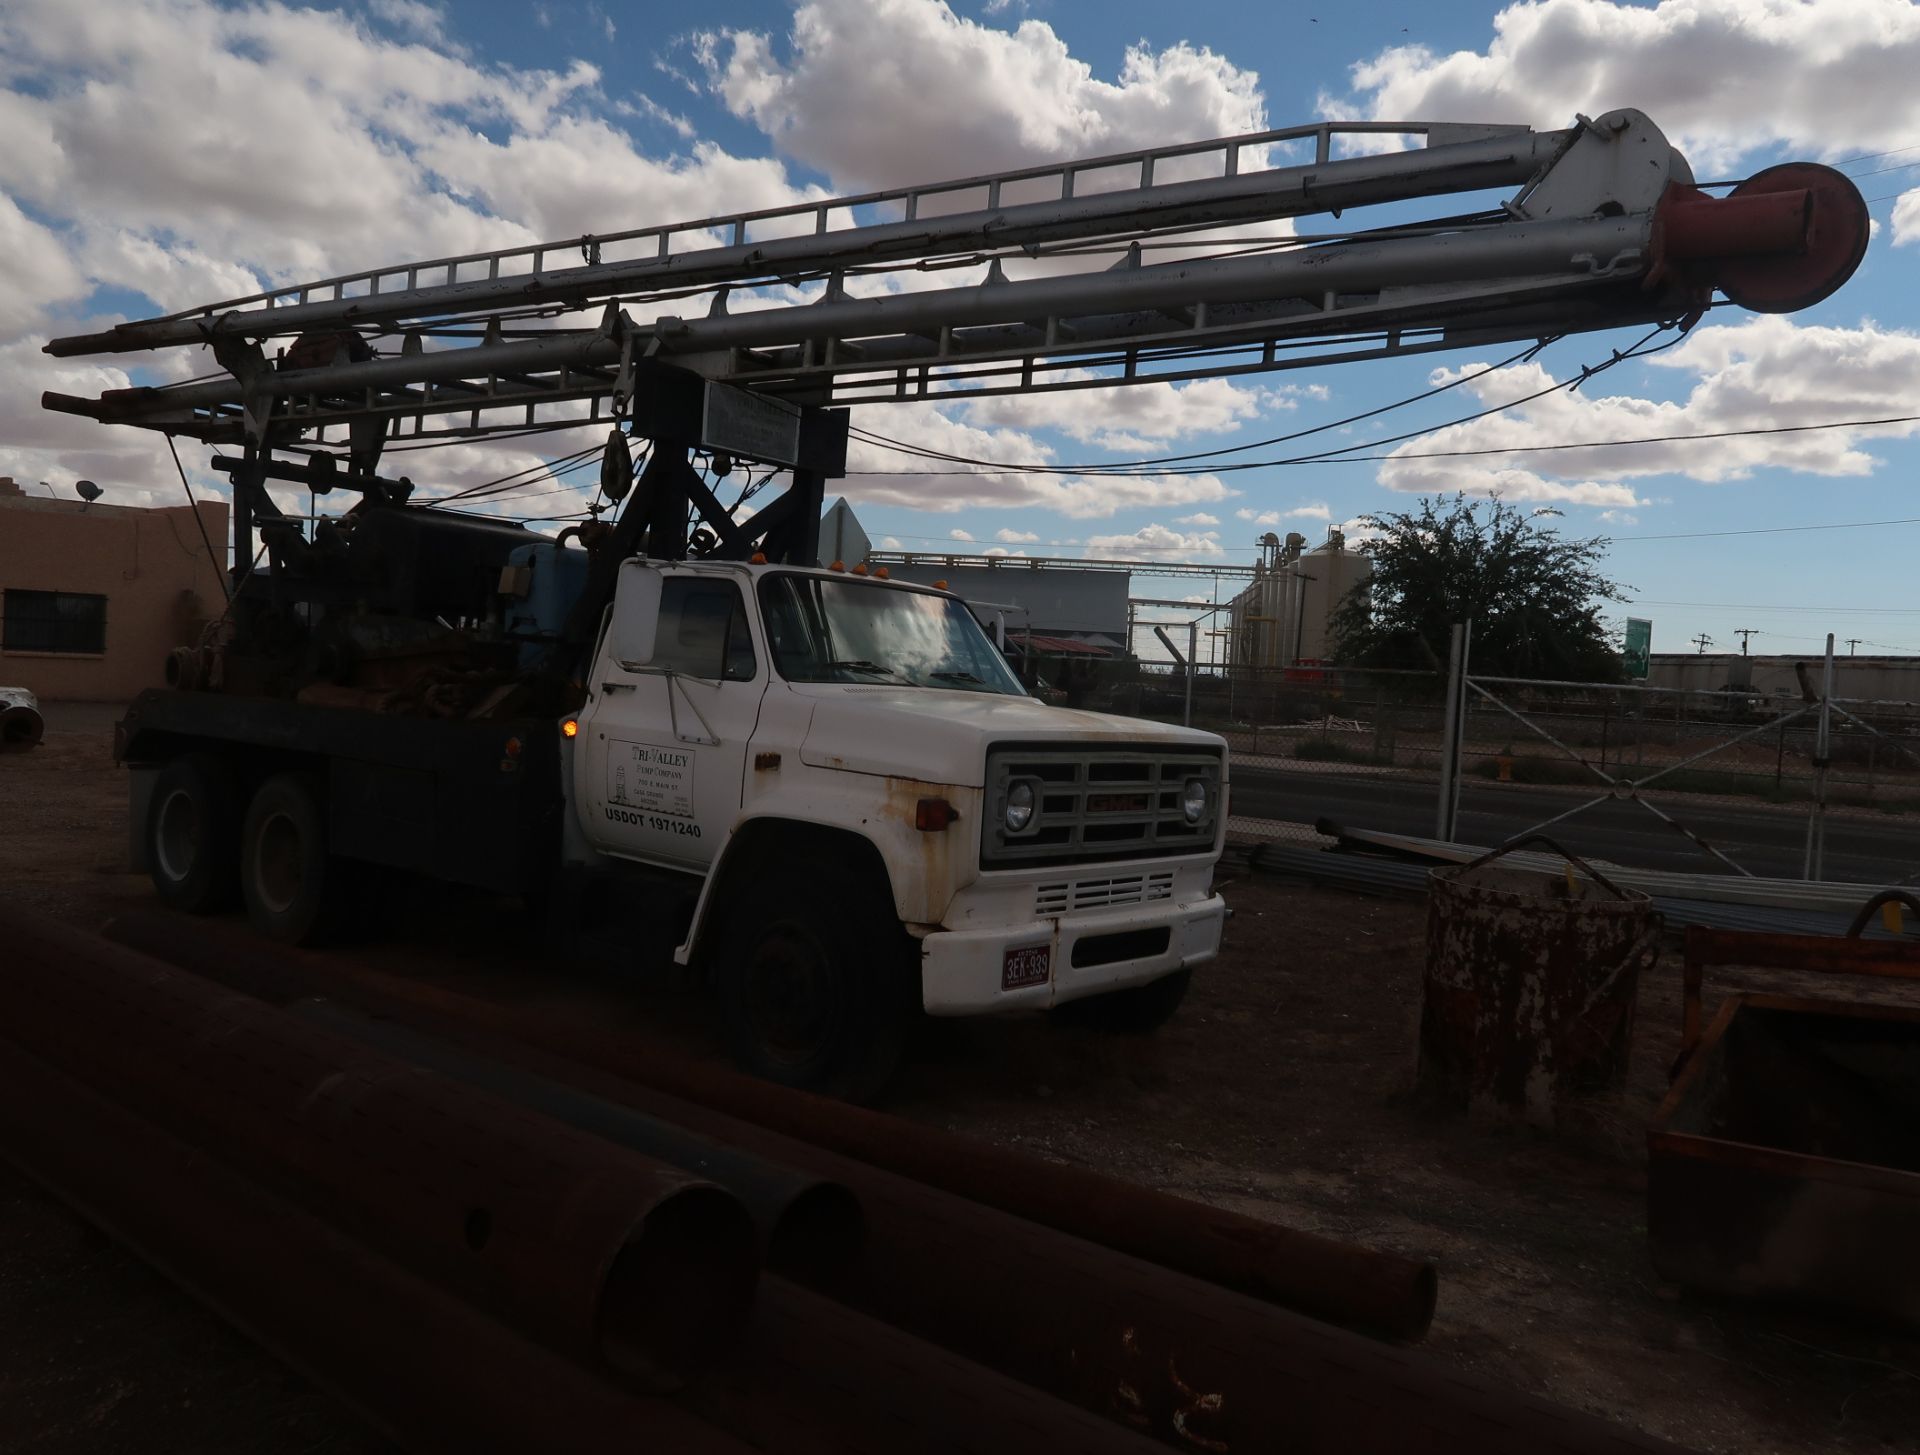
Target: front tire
<point>289,882</point>
<point>193,835</point>
<point>818,984</point>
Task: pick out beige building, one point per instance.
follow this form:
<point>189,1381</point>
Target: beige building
<point>1284,616</point>
<point>94,596</point>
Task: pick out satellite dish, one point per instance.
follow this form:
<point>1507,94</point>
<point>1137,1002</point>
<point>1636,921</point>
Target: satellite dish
<point>87,490</point>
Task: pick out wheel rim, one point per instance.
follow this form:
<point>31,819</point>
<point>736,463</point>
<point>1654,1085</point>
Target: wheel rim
<point>279,863</point>
<point>176,838</point>
<point>789,996</point>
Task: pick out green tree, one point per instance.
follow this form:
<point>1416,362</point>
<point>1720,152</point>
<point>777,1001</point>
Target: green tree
<point>1532,595</point>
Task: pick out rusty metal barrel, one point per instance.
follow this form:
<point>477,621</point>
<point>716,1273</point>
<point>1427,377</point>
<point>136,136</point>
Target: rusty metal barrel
<point>1531,982</point>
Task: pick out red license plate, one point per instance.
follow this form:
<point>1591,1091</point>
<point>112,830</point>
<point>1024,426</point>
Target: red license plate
<point>1028,965</point>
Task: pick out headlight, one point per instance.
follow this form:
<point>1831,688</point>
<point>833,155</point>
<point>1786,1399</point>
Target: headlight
<point>1019,807</point>
<point>1193,800</point>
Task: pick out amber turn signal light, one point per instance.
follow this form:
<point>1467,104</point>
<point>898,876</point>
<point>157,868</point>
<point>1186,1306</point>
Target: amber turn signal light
<point>930,815</point>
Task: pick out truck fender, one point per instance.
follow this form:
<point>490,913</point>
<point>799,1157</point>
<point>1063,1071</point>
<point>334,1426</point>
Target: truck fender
<point>769,844</point>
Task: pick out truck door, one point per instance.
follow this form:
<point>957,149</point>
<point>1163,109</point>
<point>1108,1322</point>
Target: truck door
<point>666,737</point>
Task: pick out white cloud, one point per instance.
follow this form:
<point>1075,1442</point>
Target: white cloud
<point>1155,543</point>
<point>879,476</point>
<point>959,535</point>
<point>184,148</point>
<point>1906,218</point>
<point>1274,517</point>
<point>891,543</point>
<point>1199,518</point>
<point>1619,517</point>
<point>1764,373</point>
<point>960,98</point>
<point>1011,537</point>
<point>1133,417</point>
<point>1723,78</point>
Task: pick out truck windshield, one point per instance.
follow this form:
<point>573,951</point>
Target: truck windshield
<point>851,630</point>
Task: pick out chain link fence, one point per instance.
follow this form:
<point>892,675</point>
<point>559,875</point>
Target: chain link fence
<point>1666,746</point>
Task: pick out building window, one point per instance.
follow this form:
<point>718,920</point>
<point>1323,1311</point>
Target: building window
<point>53,621</point>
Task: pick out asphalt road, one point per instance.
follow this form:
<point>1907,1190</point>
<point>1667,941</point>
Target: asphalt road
<point>1765,840</point>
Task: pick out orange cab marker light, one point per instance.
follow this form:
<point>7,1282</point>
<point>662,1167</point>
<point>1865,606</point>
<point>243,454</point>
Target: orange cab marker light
<point>861,569</point>
<point>570,728</point>
<point>758,558</point>
<point>838,566</point>
<point>939,586</point>
<point>930,815</point>
<point>880,574</point>
<point>513,747</point>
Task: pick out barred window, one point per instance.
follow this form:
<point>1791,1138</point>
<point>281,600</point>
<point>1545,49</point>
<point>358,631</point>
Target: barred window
<point>52,621</point>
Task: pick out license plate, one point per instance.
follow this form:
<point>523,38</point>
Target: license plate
<point>1028,965</point>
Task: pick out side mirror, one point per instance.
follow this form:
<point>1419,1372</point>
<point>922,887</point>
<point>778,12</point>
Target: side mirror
<point>636,615</point>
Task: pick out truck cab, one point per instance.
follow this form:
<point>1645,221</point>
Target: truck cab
<point>878,818</point>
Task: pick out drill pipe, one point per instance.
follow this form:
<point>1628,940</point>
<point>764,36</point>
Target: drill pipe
<point>1194,1365</point>
<point>599,1252</point>
<point>808,1226</point>
<point>1381,1294</point>
<point>418,1364</point>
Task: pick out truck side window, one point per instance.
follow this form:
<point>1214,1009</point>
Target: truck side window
<point>703,630</point>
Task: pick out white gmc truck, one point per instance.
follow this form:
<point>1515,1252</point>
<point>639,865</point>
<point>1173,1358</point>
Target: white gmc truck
<point>830,784</point>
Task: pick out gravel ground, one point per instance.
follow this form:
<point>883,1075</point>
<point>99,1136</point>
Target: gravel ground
<point>1281,1091</point>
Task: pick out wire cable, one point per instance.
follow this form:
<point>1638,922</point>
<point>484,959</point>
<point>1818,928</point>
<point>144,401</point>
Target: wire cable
<point>219,567</point>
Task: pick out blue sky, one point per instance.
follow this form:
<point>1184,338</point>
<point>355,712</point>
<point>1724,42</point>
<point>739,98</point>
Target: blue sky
<point>176,151</point>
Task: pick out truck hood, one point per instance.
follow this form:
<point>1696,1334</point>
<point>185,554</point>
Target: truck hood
<point>937,736</point>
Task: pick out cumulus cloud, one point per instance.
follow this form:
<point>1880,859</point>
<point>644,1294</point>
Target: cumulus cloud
<point>1274,517</point>
<point>959,535</point>
<point>1760,374</point>
<point>1156,543</point>
<point>1008,536</point>
<point>1906,218</point>
<point>950,87</point>
<point>880,476</point>
<point>1722,77</point>
<point>1198,518</point>
<point>1132,417</point>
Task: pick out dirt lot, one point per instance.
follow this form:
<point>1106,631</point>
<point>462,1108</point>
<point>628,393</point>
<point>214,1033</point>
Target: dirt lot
<point>1280,1091</point>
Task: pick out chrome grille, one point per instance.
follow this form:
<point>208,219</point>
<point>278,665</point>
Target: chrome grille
<point>1097,802</point>
<point>1064,898</point>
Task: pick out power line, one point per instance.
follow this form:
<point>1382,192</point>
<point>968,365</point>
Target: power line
<point>1338,458</point>
<point>1342,455</point>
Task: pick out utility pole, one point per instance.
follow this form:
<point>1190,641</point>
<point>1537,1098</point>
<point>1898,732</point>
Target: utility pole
<point>1743,633</point>
<point>1703,641</point>
<point>1852,642</point>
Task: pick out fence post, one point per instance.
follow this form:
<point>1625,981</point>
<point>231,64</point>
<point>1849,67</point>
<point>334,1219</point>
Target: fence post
<point>1447,812</point>
<point>1822,750</point>
<point>1193,661</point>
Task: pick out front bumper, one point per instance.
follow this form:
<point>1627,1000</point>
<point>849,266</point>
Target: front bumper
<point>962,972</point>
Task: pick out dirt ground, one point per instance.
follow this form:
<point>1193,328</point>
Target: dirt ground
<point>1280,1091</point>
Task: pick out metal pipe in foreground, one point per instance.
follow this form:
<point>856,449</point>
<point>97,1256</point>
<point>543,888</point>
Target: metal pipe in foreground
<point>603,1254</point>
<point>420,1365</point>
<point>808,1226</point>
<point>1361,1288</point>
<point>21,725</point>
<point>1182,1360</point>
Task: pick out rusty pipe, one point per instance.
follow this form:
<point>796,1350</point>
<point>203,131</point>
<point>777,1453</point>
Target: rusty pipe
<point>808,1225</point>
<point>21,725</point>
<point>1134,1342</point>
<point>413,1360</point>
<point>605,1255</point>
<point>1361,1288</point>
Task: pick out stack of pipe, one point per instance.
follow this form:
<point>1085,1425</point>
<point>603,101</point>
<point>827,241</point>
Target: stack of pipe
<point>913,1297</point>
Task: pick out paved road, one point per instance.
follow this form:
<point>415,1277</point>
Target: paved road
<point>1765,840</point>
